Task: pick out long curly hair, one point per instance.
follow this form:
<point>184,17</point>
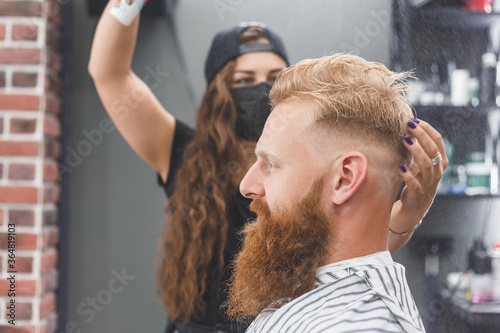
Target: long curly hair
<point>196,232</point>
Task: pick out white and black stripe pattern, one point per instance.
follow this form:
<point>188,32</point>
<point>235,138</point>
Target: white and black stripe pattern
<point>368,294</point>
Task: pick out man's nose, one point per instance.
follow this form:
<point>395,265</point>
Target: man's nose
<point>250,186</point>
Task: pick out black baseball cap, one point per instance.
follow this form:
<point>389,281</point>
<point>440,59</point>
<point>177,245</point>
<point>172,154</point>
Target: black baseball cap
<point>226,47</point>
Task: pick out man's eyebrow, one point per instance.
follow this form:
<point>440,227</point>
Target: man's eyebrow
<point>266,154</point>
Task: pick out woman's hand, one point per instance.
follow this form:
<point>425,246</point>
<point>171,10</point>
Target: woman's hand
<point>421,179</point>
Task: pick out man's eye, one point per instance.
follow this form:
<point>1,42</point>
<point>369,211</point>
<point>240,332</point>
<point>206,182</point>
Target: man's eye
<point>270,166</point>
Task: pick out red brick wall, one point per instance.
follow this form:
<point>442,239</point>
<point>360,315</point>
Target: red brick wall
<point>30,130</point>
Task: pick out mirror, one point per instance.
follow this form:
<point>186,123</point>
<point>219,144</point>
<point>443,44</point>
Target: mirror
<point>117,209</point>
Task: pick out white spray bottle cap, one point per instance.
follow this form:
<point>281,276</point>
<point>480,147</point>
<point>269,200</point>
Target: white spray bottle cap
<point>125,13</point>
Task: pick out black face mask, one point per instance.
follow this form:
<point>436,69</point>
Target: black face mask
<point>252,110</point>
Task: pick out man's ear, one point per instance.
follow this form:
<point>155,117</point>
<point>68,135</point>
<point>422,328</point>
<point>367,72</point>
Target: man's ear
<point>350,171</point>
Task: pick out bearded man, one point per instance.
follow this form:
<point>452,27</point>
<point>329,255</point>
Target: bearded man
<point>329,167</point>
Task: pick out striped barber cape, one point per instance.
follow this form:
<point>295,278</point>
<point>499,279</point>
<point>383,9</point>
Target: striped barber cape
<point>366,294</point>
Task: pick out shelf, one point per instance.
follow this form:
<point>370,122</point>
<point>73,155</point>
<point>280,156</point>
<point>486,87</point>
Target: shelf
<point>466,127</point>
<point>457,197</point>
<point>483,314</point>
<point>453,17</point>
<point>463,111</point>
<point>465,35</point>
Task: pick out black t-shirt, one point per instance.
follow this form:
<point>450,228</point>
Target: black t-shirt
<point>238,213</point>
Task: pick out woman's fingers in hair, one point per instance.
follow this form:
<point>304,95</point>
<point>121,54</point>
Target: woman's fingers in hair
<point>410,177</point>
<point>431,142</point>
<point>425,144</point>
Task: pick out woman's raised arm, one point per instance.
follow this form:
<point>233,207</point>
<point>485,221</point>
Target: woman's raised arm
<point>140,118</point>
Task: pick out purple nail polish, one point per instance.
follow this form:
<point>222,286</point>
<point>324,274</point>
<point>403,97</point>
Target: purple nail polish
<point>402,168</point>
<point>408,140</point>
<point>412,124</point>
<point>415,120</point>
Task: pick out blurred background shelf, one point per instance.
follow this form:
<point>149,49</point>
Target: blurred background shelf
<point>453,18</point>
<point>432,38</point>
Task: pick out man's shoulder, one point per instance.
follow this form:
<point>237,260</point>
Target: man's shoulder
<point>325,306</point>
<point>344,305</point>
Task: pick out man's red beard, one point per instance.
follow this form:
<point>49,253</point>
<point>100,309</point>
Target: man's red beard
<point>280,255</point>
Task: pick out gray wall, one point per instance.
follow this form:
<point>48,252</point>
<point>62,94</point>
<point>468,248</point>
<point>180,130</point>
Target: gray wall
<point>116,207</point>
